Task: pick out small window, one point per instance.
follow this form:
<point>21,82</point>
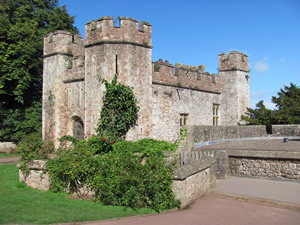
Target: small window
<point>216,114</point>
<point>183,119</point>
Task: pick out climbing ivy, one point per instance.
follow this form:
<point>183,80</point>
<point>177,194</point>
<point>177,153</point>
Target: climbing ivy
<point>119,111</point>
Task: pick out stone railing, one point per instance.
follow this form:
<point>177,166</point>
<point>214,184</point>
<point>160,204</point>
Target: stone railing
<point>286,130</point>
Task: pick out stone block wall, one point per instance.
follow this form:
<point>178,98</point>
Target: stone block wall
<point>38,176</point>
<point>7,147</point>
<point>286,130</point>
<point>267,168</point>
<point>213,133</point>
<point>193,180</point>
<point>171,102</point>
<point>165,73</point>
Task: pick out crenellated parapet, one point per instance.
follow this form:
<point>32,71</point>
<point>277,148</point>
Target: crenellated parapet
<point>63,42</point>
<point>72,48</point>
<point>234,61</point>
<point>185,76</point>
<point>129,32</point>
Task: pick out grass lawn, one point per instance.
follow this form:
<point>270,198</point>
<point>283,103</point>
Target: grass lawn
<point>4,155</point>
<point>24,205</point>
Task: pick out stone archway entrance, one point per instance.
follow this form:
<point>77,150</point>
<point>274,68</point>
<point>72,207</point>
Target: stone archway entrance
<point>77,128</point>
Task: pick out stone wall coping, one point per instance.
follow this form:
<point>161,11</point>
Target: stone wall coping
<point>183,172</point>
<point>264,154</point>
<point>207,143</point>
<point>36,165</point>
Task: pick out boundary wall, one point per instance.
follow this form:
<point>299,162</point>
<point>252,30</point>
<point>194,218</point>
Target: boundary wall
<point>189,182</point>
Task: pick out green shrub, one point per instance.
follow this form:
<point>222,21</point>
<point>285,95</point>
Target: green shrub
<point>33,147</point>
<point>118,177</point>
<point>99,145</point>
<point>124,180</point>
<point>148,147</point>
<point>72,168</point>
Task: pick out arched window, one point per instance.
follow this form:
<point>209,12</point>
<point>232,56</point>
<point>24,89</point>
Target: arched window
<point>77,128</point>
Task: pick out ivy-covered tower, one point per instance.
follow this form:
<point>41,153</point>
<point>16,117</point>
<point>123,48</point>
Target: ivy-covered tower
<point>127,51</point>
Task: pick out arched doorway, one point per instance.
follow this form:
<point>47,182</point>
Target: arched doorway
<point>77,128</point>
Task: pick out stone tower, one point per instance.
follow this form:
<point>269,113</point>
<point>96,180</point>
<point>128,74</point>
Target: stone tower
<point>63,86</point>
<point>235,98</point>
<point>127,51</point>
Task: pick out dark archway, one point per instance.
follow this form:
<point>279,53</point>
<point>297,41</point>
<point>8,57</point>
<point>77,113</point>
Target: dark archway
<point>77,128</point>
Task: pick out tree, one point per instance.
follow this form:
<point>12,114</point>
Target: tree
<point>24,23</point>
<point>287,109</point>
<point>288,105</point>
<point>259,116</point>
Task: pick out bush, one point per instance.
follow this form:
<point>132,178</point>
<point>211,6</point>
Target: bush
<point>33,147</point>
<point>71,169</point>
<point>127,180</point>
<point>148,147</point>
<point>118,177</point>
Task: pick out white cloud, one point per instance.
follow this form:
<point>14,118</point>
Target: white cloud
<point>258,94</point>
<point>270,105</point>
<point>261,67</point>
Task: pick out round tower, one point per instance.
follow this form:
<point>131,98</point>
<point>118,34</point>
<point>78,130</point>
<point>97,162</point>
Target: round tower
<point>127,51</point>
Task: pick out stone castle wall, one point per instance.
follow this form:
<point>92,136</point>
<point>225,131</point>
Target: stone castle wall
<point>73,91</point>
<point>180,76</point>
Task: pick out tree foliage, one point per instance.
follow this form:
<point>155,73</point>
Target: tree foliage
<point>259,116</point>
<point>119,111</point>
<point>24,23</point>
<point>287,109</point>
<point>288,105</point>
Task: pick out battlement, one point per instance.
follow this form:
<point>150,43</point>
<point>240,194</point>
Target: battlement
<point>129,31</point>
<point>234,61</point>
<point>185,76</point>
<point>63,42</point>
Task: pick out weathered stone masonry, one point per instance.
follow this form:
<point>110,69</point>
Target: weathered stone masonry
<point>72,90</point>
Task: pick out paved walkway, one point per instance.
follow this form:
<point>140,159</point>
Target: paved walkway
<point>275,190</point>
<point>6,160</point>
<point>234,201</point>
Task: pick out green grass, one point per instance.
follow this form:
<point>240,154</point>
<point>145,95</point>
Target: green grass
<point>24,205</point>
<point>5,155</point>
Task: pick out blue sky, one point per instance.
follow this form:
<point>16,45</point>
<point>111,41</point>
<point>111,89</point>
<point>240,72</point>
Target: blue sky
<point>194,32</point>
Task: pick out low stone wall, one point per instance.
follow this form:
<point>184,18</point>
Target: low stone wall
<point>38,176</point>
<point>213,133</point>
<point>201,135</point>
<point>266,164</point>
<point>193,180</point>
<point>190,181</point>
<point>7,147</point>
<point>286,130</point>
